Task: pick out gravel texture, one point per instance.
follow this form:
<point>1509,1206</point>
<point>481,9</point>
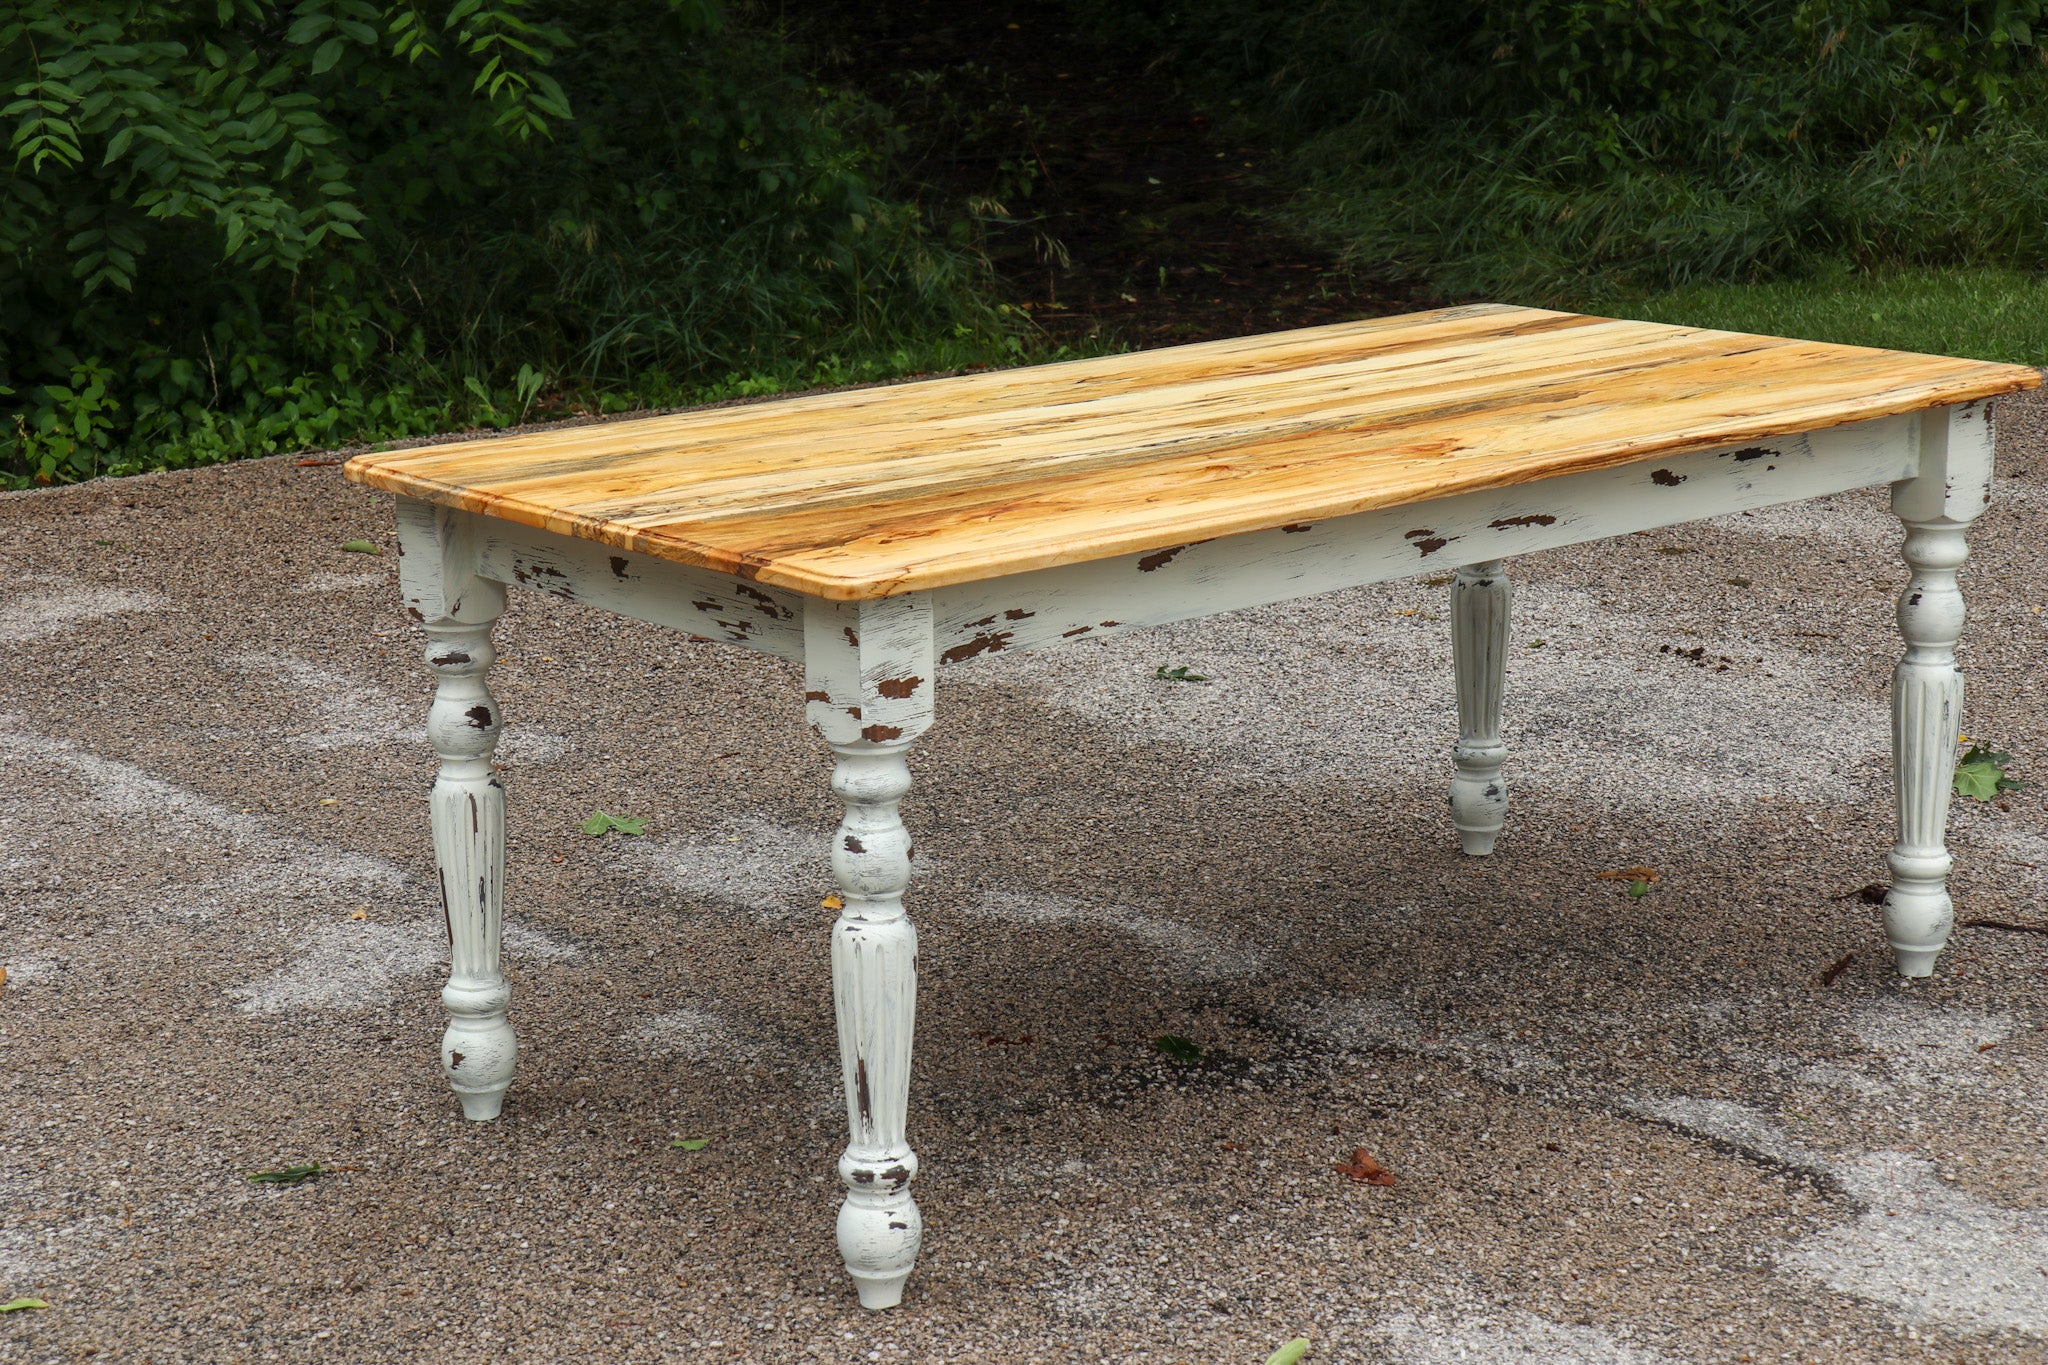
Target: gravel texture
<point>1623,1132</point>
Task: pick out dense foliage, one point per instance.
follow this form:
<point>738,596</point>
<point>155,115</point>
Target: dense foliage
<point>1562,148</point>
<point>240,225</point>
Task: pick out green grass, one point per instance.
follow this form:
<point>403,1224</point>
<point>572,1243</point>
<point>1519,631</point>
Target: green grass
<point>1987,314</point>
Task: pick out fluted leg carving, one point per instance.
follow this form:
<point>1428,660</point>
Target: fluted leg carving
<point>468,806</point>
<point>1479,646</point>
<point>437,575</point>
<point>1927,708</point>
<point>874,986</point>
<point>869,670</point>
<point>1927,688</point>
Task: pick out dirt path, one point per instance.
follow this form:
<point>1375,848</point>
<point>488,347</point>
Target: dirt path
<point>1129,212</point>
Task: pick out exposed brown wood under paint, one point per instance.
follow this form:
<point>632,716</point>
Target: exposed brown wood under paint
<point>870,493</point>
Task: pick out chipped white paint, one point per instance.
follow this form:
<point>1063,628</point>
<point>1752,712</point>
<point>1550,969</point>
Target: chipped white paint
<point>1509,1339</point>
<point>1937,506</point>
<point>1479,649</point>
<point>870,671</point>
<point>39,615</point>
<point>1088,600</point>
<point>660,591</point>
<point>1930,1252</point>
<point>458,610</point>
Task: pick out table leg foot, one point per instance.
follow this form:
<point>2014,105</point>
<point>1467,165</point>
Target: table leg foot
<point>878,1240</point>
<point>1479,646</point>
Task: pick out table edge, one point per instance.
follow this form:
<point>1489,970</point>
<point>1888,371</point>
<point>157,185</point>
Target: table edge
<point>361,469</point>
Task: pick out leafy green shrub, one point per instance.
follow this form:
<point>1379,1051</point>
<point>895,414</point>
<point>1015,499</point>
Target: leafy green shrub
<point>1566,148</point>
<point>247,226</point>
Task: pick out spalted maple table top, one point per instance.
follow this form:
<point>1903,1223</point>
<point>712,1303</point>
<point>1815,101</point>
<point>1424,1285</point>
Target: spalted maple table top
<point>871,492</point>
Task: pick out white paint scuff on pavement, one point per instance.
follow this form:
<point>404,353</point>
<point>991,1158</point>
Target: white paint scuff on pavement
<point>356,965</point>
<point>38,615</point>
<point>1512,1339</point>
<point>1927,1251</point>
<point>356,714</point>
<point>773,870</point>
<point>1187,952</point>
<point>267,861</point>
<point>1288,684</point>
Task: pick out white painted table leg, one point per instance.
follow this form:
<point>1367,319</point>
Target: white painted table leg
<point>1479,647</point>
<point>457,611</point>
<point>869,678</point>
<point>1927,688</point>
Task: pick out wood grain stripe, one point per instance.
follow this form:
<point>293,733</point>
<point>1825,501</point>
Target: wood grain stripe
<point>873,492</point>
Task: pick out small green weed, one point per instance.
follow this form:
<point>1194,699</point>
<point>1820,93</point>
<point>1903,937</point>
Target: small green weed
<point>1178,674</point>
<point>1981,774</point>
<point>600,824</point>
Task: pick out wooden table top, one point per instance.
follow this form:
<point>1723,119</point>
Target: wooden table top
<point>872,492</point>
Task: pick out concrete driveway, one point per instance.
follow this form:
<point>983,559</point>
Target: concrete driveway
<point>1709,1124</point>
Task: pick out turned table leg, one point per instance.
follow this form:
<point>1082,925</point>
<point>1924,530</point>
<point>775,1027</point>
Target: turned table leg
<point>1479,648</point>
<point>1936,507</point>
<point>869,675</point>
<point>457,611</point>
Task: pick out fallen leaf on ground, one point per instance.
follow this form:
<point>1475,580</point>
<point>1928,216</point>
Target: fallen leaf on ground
<point>691,1144</point>
<point>1980,773</point>
<point>1629,874</point>
<point>1827,978</point>
<point>1289,1353</point>
<point>600,824</point>
<point>360,547</point>
<point>316,464</point>
<point>288,1175</point>
<point>833,903</point>
<point>3,978</point>
<point>1175,1048</point>
<point>1871,894</point>
<point>17,1305</point>
<point>1364,1169</point>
